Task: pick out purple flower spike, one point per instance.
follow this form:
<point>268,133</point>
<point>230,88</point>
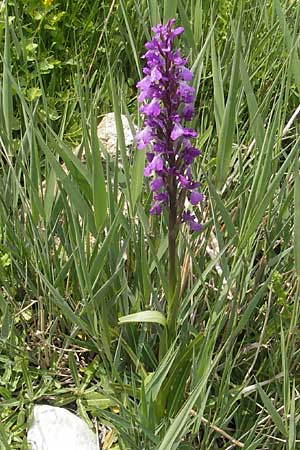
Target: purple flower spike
<point>167,103</point>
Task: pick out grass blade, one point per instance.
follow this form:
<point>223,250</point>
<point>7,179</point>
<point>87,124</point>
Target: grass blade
<point>289,43</point>
<point>262,207</point>
<point>224,152</point>
<point>275,416</point>
<point>137,175</point>
<point>4,445</point>
<point>255,116</point>
<point>297,217</point>
<point>7,97</point>
<point>99,190</point>
<point>170,9</point>
<point>219,106</point>
<point>182,421</point>
<point>144,316</point>
<point>154,12</point>
<point>121,140</point>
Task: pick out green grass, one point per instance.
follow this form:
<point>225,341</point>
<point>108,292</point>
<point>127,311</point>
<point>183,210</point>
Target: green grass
<point>83,268</point>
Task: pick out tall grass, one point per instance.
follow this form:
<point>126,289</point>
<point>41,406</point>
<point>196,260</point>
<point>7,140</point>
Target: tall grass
<point>83,268</point>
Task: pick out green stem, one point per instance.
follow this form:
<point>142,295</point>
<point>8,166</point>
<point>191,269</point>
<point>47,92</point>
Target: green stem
<point>173,266</point>
<point>172,257</point>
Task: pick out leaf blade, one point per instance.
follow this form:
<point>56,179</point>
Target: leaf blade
<point>144,316</point>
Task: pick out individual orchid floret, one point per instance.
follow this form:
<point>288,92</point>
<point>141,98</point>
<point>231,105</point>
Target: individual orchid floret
<point>167,103</point>
<point>144,137</point>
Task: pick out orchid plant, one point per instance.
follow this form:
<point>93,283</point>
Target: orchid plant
<point>167,104</point>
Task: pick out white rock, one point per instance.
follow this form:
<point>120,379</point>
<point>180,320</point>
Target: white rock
<point>107,132</point>
<point>58,429</point>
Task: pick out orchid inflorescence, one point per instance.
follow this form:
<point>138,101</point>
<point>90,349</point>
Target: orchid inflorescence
<point>167,102</point>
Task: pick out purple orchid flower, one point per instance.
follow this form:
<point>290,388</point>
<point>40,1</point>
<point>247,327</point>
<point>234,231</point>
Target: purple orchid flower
<point>167,102</point>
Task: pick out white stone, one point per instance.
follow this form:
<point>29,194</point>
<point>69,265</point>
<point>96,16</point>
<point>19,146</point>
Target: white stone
<point>56,428</point>
<point>107,132</point>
